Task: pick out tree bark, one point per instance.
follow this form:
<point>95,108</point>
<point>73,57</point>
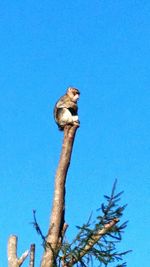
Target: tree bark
<point>32,255</point>
<point>57,222</point>
<point>13,261</point>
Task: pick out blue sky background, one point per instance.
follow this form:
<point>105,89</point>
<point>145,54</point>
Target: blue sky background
<point>102,48</point>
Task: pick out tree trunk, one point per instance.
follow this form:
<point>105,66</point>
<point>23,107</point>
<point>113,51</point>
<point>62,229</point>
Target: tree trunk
<point>13,261</point>
<point>32,255</point>
<point>57,222</point>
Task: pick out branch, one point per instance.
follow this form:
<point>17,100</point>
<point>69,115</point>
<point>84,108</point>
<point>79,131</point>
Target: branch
<point>37,228</point>
<point>57,221</point>
<point>13,261</point>
<point>92,241</point>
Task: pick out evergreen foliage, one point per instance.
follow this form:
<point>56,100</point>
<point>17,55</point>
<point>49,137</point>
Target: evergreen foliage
<point>91,244</point>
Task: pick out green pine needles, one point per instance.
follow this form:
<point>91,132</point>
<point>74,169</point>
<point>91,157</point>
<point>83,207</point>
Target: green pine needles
<point>97,242</point>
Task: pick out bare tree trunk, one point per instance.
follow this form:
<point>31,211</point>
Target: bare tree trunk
<point>13,261</point>
<point>32,255</point>
<point>57,222</point>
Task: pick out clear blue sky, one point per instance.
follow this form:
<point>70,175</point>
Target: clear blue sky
<point>102,48</point>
